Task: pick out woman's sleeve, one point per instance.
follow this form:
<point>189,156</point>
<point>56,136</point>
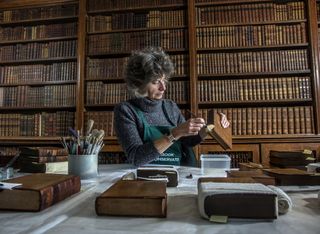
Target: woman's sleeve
<point>129,130</point>
<point>188,141</point>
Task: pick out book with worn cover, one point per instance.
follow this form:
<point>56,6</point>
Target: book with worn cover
<point>43,151</point>
<point>293,176</point>
<point>285,159</point>
<point>222,135</point>
<point>48,167</point>
<point>236,199</point>
<point>133,198</point>
<point>156,173</point>
<point>38,191</point>
<point>258,176</point>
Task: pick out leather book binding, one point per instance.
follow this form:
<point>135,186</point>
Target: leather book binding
<point>38,191</point>
<point>293,176</point>
<point>236,200</point>
<point>222,135</point>
<point>289,159</point>
<point>133,198</point>
<point>257,176</point>
<point>154,173</point>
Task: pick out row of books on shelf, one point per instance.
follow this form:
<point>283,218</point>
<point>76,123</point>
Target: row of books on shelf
<point>130,20</point>
<point>124,42</point>
<point>251,35</point>
<point>38,13</point>
<point>253,62</point>
<point>268,120</point>
<point>64,71</point>
<point>37,50</point>
<point>96,5</point>
<point>102,120</point>
<point>42,96</point>
<point>236,157</point>
<point>100,93</point>
<point>114,68</point>
<point>278,88</point>
<point>38,32</point>
<point>250,12</point>
<point>37,124</point>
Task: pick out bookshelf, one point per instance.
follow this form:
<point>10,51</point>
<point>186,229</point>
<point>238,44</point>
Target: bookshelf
<point>255,60</point>
<point>113,31</point>
<point>38,72</point>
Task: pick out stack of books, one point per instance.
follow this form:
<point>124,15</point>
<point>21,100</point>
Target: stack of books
<point>43,159</point>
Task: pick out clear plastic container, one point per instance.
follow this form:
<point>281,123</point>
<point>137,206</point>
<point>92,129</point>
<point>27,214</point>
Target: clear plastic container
<point>213,163</point>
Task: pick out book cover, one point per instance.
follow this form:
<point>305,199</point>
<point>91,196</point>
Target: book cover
<point>293,176</point>
<point>38,191</point>
<point>133,198</point>
<point>222,135</point>
<point>236,199</point>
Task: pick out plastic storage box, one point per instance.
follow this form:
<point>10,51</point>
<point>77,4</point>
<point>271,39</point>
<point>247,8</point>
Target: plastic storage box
<point>213,163</point>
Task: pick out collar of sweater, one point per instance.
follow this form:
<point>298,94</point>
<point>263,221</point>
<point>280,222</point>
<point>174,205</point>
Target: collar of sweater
<point>147,105</point>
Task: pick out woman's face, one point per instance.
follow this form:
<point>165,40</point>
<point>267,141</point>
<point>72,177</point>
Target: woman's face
<point>155,89</point>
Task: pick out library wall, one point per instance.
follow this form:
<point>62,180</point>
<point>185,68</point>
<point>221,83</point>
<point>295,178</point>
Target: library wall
<point>62,62</point>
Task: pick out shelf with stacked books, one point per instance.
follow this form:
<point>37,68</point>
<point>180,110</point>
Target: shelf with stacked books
<point>254,64</point>
<point>113,31</point>
<point>38,72</point>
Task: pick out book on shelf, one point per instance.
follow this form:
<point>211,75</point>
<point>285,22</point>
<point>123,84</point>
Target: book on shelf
<point>133,198</point>
<point>38,191</point>
<point>43,151</point>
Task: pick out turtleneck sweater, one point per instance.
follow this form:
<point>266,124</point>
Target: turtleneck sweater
<point>129,127</point>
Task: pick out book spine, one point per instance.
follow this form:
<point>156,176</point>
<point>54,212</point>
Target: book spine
<point>58,192</point>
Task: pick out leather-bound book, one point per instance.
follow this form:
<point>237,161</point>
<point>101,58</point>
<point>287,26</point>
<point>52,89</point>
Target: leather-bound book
<point>258,176</point>
<point>236,199</point>
<point>133,198</point>
<point>157,173</point>
<point>293,176</point>
<point>38,191</point>
<point>222,135</point>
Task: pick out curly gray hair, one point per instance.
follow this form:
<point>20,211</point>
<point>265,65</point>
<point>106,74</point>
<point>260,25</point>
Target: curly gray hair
<point>145,66</point>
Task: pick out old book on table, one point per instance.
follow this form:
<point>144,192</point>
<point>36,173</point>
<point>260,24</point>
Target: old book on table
<point>49,167</point>
<point>250,166</point>
<point>222,135</point>
<point>293,176</point>
<point>133,198</point>
<point>285,159</point>
<point>258,176</point>
<point>38,191</point>
<point>236,200</point>
<point>157,173</point>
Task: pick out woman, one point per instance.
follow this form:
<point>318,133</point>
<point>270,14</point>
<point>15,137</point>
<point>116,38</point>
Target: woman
<point>149,128</point>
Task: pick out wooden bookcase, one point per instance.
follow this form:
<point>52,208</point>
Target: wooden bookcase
<point>38,72</point>
<point>255,60</point>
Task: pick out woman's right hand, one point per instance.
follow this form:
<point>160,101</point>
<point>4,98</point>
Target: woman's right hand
<point>189,128</point>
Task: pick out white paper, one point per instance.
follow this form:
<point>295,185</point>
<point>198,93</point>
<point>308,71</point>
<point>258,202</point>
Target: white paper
<point>4,185</point>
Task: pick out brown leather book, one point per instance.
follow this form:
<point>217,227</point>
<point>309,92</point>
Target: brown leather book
<point>257,175</point>
<point>38,191</point>
<point>222,135</point>
<point>133,198</point>
<point>292,176</point>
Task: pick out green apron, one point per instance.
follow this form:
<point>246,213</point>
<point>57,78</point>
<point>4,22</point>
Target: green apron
<point>172,156</point>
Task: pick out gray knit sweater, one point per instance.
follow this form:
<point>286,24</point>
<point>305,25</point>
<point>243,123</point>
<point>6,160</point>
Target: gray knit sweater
<point>129,128</point>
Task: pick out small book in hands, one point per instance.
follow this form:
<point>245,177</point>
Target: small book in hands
<point>222,134</point>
